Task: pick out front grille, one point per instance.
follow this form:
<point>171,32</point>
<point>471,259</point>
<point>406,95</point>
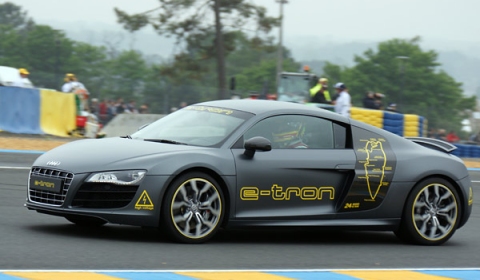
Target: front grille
<point>103,195</point>
<point>48,197</point>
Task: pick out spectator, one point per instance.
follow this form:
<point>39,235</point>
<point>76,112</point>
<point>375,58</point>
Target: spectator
<point>392,107</point>
<point>23,80</point>
<point>103,111</point>
<point>74,86</point>
<point>452,137</point>
<point>319,93</point>
<point>475,138</point>
<point>143,109</point>
<point>94,107</point>
<point>131,107</point>
<point>373,100</point>
<point>370,102</point>
<point>343,101</point>
<point>120,106</point>
<point>441,134</point>
<point>379,98</point>
<point>111,111</point>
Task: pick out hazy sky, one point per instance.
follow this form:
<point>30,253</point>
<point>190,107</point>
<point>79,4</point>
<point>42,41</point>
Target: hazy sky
<point>356,19</point>
<point>444,23</point>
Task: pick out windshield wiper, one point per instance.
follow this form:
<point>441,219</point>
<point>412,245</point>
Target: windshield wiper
<point>126,136</point>
<point>165,141</point>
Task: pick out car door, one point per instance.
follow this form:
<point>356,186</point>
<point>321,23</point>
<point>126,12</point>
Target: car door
<point>302,176</point>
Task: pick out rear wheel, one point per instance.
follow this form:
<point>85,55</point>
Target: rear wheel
<point>193,209</point>
<point>431,213</point>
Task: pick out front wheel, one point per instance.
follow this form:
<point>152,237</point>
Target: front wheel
<point>431,213</point>
<point>193,208</point>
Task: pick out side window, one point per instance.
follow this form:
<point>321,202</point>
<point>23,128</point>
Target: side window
<point>342,140</point>
<point>294,131</point>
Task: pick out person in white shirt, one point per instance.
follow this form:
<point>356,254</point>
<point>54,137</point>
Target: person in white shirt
<point>23,80</point>
<point>343,100</point>
<point>72,85</point>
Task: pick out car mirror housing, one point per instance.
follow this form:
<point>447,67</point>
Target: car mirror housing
<point>257,143</point>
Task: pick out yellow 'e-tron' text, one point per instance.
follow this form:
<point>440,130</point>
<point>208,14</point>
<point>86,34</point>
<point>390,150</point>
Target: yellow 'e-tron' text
<point>277,193</point>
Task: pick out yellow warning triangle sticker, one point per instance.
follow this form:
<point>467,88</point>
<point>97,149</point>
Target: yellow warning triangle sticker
<point>144,202</point>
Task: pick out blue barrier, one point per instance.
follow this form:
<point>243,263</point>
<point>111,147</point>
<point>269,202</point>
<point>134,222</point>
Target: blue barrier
<point>422,125</point>
<point>20,110</point>
<point>393,122</point>
<point>467,151</point>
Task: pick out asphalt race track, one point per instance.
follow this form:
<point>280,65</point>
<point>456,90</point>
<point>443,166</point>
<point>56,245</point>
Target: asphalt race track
<point>32,241</point>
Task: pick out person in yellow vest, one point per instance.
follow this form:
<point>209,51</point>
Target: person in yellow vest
<point>319,93</point>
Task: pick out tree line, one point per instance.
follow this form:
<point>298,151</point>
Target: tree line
<point>110,73</point>
<point>218,40</point>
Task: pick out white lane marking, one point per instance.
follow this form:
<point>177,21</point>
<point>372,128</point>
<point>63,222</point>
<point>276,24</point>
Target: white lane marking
<point>475,181</point>
<point>15,167</point>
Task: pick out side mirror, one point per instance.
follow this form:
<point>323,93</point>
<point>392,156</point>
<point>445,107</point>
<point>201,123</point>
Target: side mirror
<point>256,143</point>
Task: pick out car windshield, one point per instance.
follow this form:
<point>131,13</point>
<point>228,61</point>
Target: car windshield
<point>194,125</point>
<point>294,88</point>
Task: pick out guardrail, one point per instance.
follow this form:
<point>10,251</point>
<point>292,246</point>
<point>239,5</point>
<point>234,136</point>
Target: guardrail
<point>467,151</point>
<point>407,125</point>
<point>37,111</point>
<point>43,111</point>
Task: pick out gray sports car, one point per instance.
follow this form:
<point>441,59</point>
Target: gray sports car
<point>239,163</point>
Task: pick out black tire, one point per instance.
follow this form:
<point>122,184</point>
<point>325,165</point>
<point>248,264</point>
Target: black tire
<point>431,214</point>
<point>86,221</point>
<point>193,208</point>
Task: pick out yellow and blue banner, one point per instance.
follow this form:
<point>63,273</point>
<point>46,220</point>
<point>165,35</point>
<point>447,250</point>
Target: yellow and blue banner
<point>57,112</point>
<point>20,110</point>
<point>37,111</point>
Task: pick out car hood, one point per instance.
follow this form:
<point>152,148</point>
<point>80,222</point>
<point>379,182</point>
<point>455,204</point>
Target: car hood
<point>110,154</point>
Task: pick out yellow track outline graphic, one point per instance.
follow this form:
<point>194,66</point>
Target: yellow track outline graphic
<point>370,147</point>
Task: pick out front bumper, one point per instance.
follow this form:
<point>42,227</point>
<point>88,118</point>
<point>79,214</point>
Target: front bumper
<point>138,206</point>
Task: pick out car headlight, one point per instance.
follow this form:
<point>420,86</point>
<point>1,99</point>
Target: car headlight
<point>125,177</point>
